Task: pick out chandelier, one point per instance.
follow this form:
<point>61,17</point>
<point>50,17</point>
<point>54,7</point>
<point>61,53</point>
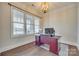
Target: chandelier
<point>43,6</point>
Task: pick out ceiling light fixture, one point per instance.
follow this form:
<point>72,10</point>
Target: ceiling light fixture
<point>43,6</point>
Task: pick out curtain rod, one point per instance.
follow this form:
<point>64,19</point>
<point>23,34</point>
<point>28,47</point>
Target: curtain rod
<point>23,10</point>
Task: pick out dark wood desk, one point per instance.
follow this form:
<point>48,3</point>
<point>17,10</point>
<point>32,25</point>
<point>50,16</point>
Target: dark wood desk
<point>51,41</point>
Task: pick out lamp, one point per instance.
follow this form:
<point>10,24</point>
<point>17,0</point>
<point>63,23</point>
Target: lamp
<point>43,6</point>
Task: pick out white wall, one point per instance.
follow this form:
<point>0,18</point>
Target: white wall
<point>64,20</point>
<point>6,42</point>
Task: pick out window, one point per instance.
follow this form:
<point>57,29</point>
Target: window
<point>24,23</point>
<point>18,22</point>
<point>29,24</point>
<point>37,25</point>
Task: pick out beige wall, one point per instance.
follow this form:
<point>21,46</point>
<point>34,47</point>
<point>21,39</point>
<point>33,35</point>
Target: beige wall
<point>0,27</point>
<point>6,42</point>
<point>78,25</point>
<point>27,8</point>
<point>64,21</point>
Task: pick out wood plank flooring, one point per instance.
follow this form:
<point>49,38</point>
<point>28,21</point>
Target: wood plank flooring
<point>33,50</point>
<point>28,50</point>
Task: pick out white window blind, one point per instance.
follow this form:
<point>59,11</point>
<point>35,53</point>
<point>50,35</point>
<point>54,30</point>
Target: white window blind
<point>24,23</point>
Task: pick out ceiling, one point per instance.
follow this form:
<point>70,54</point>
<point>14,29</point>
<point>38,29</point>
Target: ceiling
<point>52,5</point>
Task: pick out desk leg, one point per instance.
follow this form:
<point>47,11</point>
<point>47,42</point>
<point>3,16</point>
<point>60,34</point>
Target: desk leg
<point>37,41</point>
<point>54,46</point>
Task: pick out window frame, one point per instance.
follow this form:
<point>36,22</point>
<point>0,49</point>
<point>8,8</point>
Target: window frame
<point>29,24</point>
<point>25,24</point>
<point>17,35</point>
<point>36,25</point>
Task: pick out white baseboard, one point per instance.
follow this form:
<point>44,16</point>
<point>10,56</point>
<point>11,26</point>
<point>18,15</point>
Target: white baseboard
<point>70,43</point>
<point>16,45</point>
<point>31,40</point>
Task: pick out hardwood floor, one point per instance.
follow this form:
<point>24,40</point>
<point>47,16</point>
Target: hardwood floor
<point>33,50</point>
<point>28,50</point>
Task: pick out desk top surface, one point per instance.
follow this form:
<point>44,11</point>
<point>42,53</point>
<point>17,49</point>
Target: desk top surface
<point>56,36</point>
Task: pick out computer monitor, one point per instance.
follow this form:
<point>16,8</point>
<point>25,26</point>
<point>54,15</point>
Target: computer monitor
<point>49,31</point>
